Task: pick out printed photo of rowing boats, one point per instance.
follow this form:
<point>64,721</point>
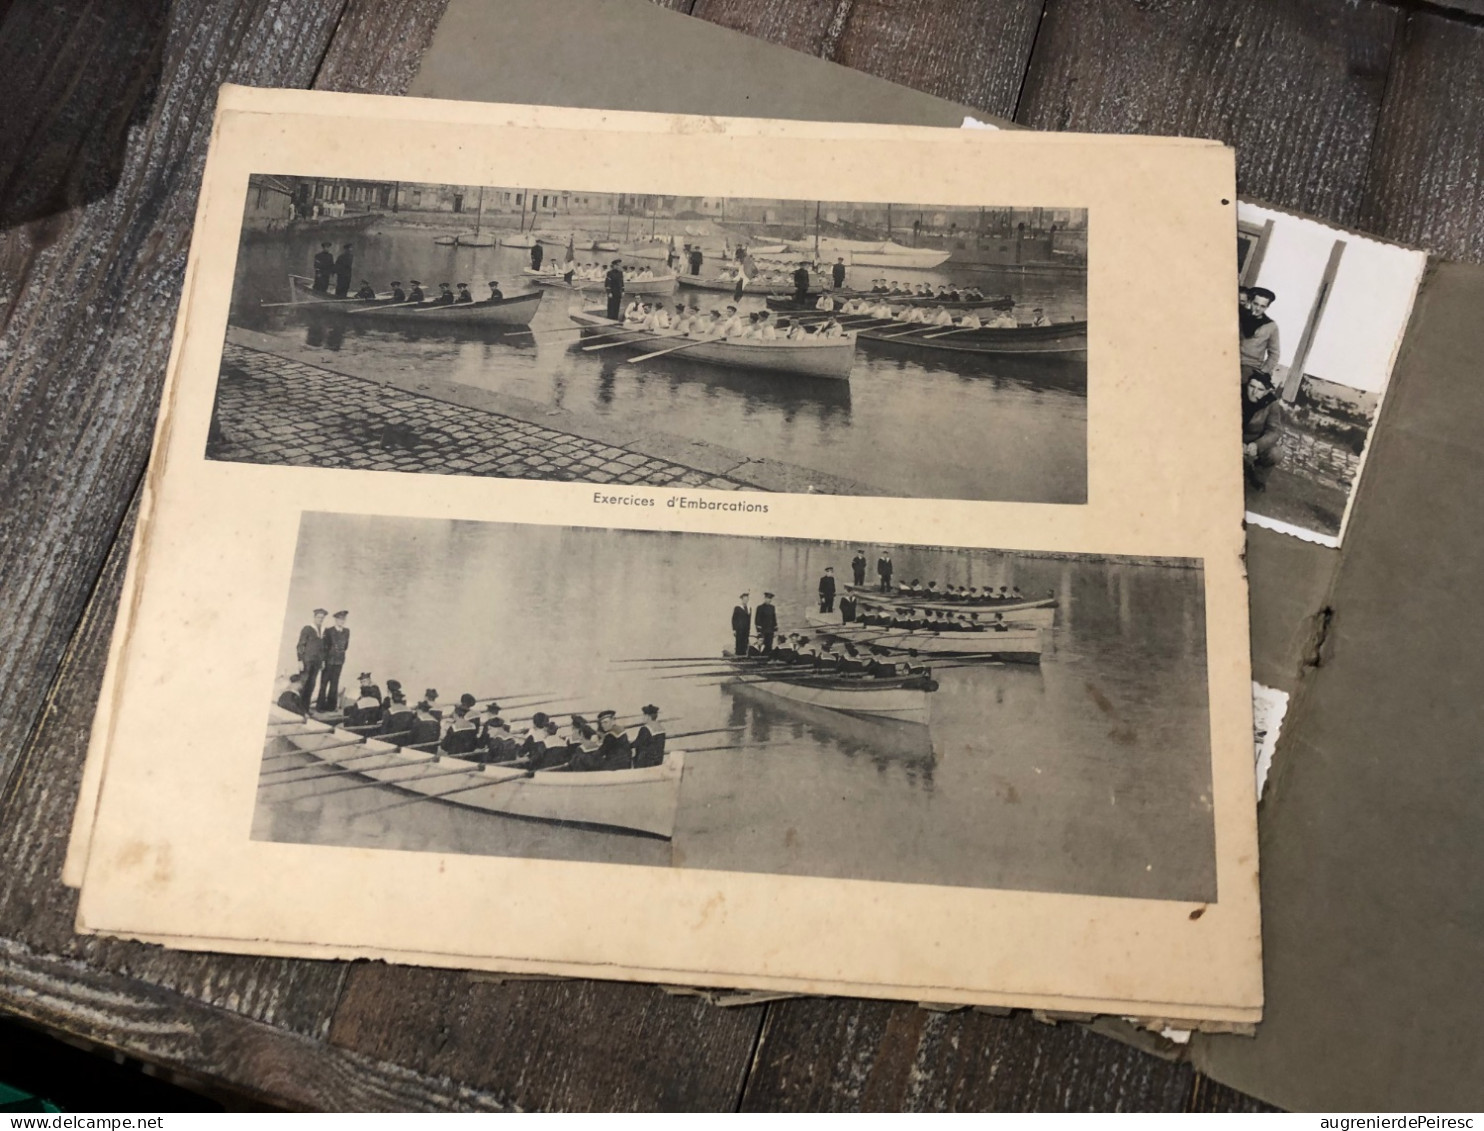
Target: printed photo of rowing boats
<point>704,342</point>
<point>913,714</point>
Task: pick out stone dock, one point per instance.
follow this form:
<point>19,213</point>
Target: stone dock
<point>279,403</point>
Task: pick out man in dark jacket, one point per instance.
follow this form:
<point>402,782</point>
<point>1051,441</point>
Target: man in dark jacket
<point>1262,429</point>
<point>613,287</point>
<point>858,567</point>
<point>883,571</point>
<point>324,267</point>
<point>741,626</point>
<point>837,273</point>
<point>766,622</point>
<point>538,255</point>
<point>344,263</point>
<point>311,653</point>
<point>615,751</point>
<point>336,641</point>
<point>801,285</point>
<point>696,259</point>
<point>827,590</point>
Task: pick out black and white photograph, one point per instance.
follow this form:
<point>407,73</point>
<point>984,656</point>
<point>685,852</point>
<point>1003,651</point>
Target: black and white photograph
<point>807,346</point>
<point>1322,313</point>
<point>913,714</point>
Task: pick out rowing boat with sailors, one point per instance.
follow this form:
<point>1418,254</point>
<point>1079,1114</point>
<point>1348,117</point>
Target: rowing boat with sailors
<point>830,678</point>
<point>892,325</point>
<point>590,277</point>
<point>412,306</point>
<point>933,635</point>
<point>640,800</point>
<point>823,354</point>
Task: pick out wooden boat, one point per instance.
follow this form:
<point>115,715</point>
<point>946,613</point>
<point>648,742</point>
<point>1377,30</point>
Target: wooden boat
<point>1014,645</point>
<point>520,239</point>
<point>828,357</point>
<point>642,801</point>
<point>868,594</point>
<point>909,739</point>
<point>474,240</point>
<point>517,310</point>
<point>1022,615</point>
<point>903,697</point>
<point>1061,339</point>
<point>783,301</point>
<point>661,284</point>
<point>766,284</point>
<point>887,254</point>
<point>896,257</point>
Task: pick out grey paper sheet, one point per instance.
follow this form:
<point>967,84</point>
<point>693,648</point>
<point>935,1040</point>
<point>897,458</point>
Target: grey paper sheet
<point>1373,854</point>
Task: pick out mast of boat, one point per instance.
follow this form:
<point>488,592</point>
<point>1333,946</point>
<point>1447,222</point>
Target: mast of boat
<point>654,219</point>
<point>816,231</point>
<point>523,196</point>
<point>479,215</point>
<point>888,221</point>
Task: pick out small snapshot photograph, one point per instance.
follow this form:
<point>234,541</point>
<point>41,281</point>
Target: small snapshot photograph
<point>737,344</point>
<point>1322,314</point>
<point>914,714</point>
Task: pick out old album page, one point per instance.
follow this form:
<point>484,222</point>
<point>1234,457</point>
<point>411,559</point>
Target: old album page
<point>725,552</point>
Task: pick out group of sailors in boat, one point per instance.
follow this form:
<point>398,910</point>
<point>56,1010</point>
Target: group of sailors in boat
<point>882,308</point>
<point>919,620</point>
<point>831,657</point>
<point>475,730</point>
<point>571,271</point>
<point>689,321</point>
<point>924,291</point>
<point>965,594</point>
<point>446,295</point>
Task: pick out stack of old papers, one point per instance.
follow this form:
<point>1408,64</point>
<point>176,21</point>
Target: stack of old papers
<point>736,553</point>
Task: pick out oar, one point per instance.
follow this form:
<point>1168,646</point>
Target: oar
<point>960,330</point>
<point>739,746</point>
<point>791,670</point>
<point>388,306</point>
<point>373,782</point>
<point>328,746</point>
<point>670,349</point>
<point>436,796</point>
<point>656,659</point>
<point>918,329</point>
<point>325,771</point>
<point>711,730</point>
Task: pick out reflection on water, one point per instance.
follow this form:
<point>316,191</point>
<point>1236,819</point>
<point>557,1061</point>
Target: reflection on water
<point>899,426</point>
<point>1089,774</point>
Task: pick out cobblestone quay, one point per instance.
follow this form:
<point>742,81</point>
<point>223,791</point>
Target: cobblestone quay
<point>276,410</point>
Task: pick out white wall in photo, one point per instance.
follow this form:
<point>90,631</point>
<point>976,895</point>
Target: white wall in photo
<point>1368,306</point>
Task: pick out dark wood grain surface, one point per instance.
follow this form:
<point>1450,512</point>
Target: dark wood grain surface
<point>1350,109</point>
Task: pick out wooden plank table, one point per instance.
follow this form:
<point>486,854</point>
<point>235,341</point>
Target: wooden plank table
<point>1358,111</point>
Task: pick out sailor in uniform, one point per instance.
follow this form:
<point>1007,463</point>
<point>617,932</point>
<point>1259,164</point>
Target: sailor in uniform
<point>366,292</point>
<point>445,295</point>
<point>324,267</point>
<point>741,626</point>
<point>463,295</point>
<point>397,717</point>
<point>649,739</point>
<point>614,748</point>
<point>613,284</point>
<point>398,294</point>
<point>289,697</point>
<point>585,750</point>
<point>827,590</point>
<point>766,622</point>
<point>460,732</point>
<point>427,724</point>
<point>416,294</point>
<point>311,653</point>
<point>367,707</point>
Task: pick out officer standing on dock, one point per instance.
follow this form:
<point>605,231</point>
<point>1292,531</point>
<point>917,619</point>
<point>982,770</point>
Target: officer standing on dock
<point>858,567</point>
<point>344,263</point>
<point>324,267</point>
<point>311,653</point>
<point>613,285</point>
